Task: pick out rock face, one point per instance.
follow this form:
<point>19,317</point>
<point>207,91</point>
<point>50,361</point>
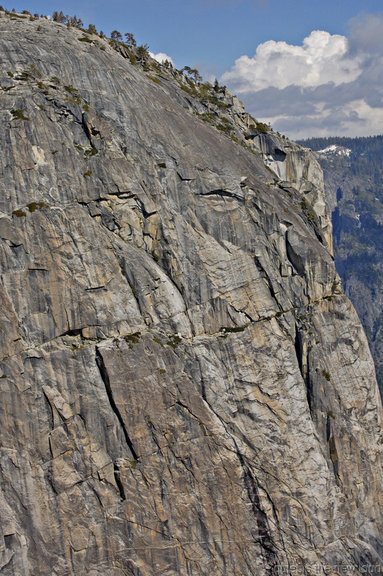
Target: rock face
<point>353,175</point>
<point>184,388</point>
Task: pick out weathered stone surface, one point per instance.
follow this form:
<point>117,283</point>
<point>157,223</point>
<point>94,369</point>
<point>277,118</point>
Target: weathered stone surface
<point>354,195</point>
<point>184,388</point>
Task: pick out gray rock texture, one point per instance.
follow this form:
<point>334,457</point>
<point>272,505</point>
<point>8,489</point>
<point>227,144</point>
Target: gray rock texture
<point>354,193</point>
<point>184,389</point>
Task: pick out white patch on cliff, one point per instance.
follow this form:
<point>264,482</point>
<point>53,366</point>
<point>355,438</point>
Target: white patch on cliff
<point>38,155</point>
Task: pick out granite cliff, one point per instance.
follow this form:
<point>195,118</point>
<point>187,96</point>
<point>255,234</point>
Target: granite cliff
<point>353,177</point>
<point>184,387</point>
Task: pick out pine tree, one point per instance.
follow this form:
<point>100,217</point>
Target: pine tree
<point>130,39</point>
<point>116,35</point>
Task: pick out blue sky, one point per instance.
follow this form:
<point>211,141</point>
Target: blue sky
<point>323,83</point>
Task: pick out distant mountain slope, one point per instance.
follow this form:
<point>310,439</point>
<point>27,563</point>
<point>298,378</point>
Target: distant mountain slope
<point>353,171</point>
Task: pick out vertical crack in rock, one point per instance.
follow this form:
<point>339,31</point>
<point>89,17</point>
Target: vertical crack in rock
<point>303,365</point>
<point>117,478</point>
<point>88,129</point>
<point>263,535</point>
<point>332,448</point>
<point>105,378</point>
<point>50,410</point>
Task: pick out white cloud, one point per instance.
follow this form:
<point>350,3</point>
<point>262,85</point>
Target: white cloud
<point>161,57</point>
<point>329,85</point>
<point>354,119</point>
<point>322,58</point>
<point>366,34</point>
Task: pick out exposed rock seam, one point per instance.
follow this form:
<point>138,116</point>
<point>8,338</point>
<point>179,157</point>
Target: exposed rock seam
<point>78,332</point>
<point>105,378</point>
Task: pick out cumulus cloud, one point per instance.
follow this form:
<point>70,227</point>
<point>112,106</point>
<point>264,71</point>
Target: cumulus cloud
<point>329,85</point>
<point>161,57</point>
<point>322,58</point>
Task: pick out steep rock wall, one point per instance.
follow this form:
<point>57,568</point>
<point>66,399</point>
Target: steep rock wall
<point>184,388</point>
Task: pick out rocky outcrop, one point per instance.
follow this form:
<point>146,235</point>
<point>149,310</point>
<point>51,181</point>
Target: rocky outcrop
<point>184,388</point>
<point>353,173</point>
